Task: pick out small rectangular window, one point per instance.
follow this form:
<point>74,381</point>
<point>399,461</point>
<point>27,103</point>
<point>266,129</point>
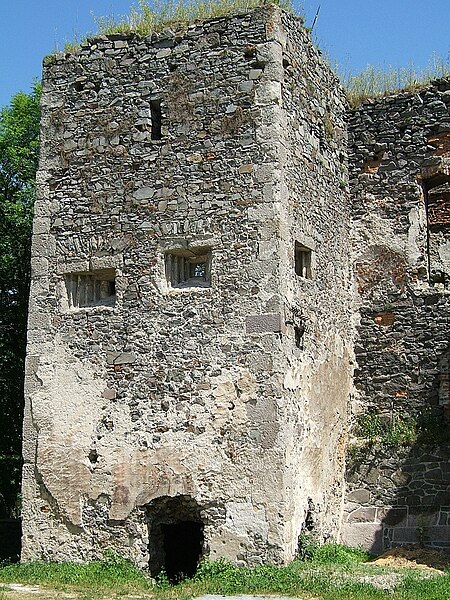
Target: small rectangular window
<point>189,268</point>
<point>92,288</point>
<point>437,206</point>
<point>302,260</point>
<point>155,110</point>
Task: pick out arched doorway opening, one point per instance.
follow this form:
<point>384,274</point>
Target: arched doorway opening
<point>176,537</point>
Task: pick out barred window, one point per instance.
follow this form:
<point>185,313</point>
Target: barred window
<point>188,267</point>
<point>92,288</point>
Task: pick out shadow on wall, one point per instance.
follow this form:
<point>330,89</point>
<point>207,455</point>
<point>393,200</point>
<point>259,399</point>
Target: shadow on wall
<point>401,497</point>
<point>398,474</point>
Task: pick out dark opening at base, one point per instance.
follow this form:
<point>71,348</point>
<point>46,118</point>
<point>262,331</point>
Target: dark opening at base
<point>183,544</point>
<point>176,537</point>
<point>10,536</point>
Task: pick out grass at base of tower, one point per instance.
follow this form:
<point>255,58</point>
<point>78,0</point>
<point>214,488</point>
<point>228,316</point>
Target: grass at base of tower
<point>332,572</point>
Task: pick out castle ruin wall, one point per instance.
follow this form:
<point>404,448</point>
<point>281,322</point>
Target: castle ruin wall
<point>315,216</point>
<point>399,156</point>
<point>229,269</point>
<point>167,377</point>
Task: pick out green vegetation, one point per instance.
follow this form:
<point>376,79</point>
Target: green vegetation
<point>156,15</point>
<point>402,430</point>
<point>310,550</point>
<point>333,572</point>
<point>376,81</point>
<point>399,431</point>
<point>114,572</point>
<point>19,130</point>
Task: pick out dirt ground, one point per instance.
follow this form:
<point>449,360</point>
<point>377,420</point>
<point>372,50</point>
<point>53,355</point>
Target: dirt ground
<point>413,557</point>
<point>15,591</point>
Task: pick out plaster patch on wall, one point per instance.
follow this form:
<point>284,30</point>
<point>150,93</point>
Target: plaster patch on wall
<point>244,517</point>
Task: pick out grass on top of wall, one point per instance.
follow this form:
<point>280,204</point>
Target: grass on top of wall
<point>150,16</point>
<point>377,81</point>
<point>155,15</point>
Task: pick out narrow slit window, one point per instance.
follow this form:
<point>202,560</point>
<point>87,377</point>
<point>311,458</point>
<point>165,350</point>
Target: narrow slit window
<point>299,332</point>
<point>155,109</point>
<point>92,288</point>
<point>302,256</point>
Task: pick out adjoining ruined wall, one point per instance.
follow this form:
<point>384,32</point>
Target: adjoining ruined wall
<point>148,379</point>
<point>400,169</point>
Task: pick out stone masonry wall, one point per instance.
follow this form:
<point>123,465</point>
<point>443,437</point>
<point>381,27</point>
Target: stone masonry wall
<point>161,363</point>
<point>398,497</point>
<point>400,168</point>
<point>315,214</point>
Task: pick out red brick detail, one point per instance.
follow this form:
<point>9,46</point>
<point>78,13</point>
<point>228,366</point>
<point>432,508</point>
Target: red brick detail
<point>439,208</point>
<point>441,141</point>
<point>383,265</point>
<point>385,319</point>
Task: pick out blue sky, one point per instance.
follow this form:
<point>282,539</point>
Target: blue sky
<point>354,33</point>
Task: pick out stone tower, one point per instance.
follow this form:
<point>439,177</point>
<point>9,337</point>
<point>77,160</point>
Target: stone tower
<point>190,332</point>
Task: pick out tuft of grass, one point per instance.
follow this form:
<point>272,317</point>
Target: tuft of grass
<point>337,554</point>
<point>376,81</point>
<point>400,431</point>
<point>422,427</point>
<point>113,572</point>
<point>155,15</point>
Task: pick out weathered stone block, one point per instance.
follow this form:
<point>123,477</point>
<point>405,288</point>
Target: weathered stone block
<point>268,323</point>
<point>362,515</point>
<point>120,358</point>
<point>360,496</point>
<point>367,535</point>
